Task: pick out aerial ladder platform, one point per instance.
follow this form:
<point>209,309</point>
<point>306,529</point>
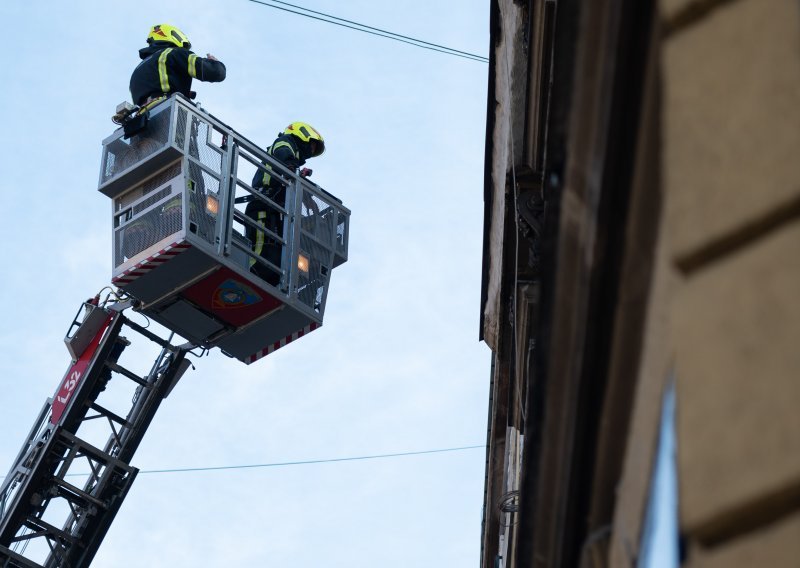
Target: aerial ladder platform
<point>179,182</point>
<point>43,513</point>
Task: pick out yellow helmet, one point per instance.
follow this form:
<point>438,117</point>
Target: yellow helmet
<point>308,134</point>
<point>171,34</point>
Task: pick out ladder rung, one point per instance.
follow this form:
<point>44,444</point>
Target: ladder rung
<point>125,372</point>
<point>79,492</point>
<point>18,559</point>
<point>43,528</point>
<point>108,414</point>
<point>96,453</point>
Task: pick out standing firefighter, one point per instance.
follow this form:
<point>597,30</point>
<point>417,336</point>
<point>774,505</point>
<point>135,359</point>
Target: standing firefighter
<point>168,66</point>
<point>299,142</point>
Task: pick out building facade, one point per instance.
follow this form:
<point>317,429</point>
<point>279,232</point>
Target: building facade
<point>641,236</point>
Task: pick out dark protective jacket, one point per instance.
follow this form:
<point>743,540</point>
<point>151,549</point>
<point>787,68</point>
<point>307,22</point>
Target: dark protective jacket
<point>166,69</point>
<point>287,150</point>
<point>292,153</point>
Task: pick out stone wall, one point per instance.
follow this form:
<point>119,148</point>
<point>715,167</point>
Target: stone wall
<point>725,312</point>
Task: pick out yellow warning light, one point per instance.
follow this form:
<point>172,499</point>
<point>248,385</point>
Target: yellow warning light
<point>212,204</point>
<point>302,263</point>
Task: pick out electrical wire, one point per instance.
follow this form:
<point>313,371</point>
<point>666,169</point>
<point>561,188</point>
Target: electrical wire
<point>372,30</point>
<point>302,462</point>
<point>508,505</point>
<point>309,462</point>
<point>380,30</point>
<point>514,190</point>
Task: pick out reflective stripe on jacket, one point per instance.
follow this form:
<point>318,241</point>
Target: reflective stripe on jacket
<point>285,151</point>
<point>165,70</point>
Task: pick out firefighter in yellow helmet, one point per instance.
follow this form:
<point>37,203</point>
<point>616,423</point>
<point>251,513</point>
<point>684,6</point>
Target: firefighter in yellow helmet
<point>168,66</point>
<point>297,143</point>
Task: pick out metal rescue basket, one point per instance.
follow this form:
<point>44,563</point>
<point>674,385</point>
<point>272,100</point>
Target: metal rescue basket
<point>179,189</point>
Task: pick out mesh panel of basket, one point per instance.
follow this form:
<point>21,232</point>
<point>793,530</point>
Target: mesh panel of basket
<point>204,202</point>
<point>311,285</point>
<point>202,146</point>
<point>135,195</point>
<point>318,218</point>
<point>341,236</point>
<point>147,229</point>
<point>121,154</point>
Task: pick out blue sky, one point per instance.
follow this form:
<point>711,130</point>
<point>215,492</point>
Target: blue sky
<point>397,366</point>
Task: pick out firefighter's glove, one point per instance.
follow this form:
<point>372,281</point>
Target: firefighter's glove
<point>306,172</point>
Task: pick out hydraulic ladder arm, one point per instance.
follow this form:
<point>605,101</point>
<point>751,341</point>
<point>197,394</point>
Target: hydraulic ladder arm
<point>38,484</point>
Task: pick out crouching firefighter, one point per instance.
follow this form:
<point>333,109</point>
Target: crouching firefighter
<point>299,142</point>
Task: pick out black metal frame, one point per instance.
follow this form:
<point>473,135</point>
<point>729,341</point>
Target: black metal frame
<point>38,478</point>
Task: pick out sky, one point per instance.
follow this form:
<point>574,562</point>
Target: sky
<point>660,548</point>
<point>397,366</point>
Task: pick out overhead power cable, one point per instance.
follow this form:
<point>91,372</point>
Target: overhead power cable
<point>315,461</point>
<point>302,462</point>
<point>321,16</point>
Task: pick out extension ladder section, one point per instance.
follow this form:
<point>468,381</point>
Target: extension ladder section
<point>48,518</point>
